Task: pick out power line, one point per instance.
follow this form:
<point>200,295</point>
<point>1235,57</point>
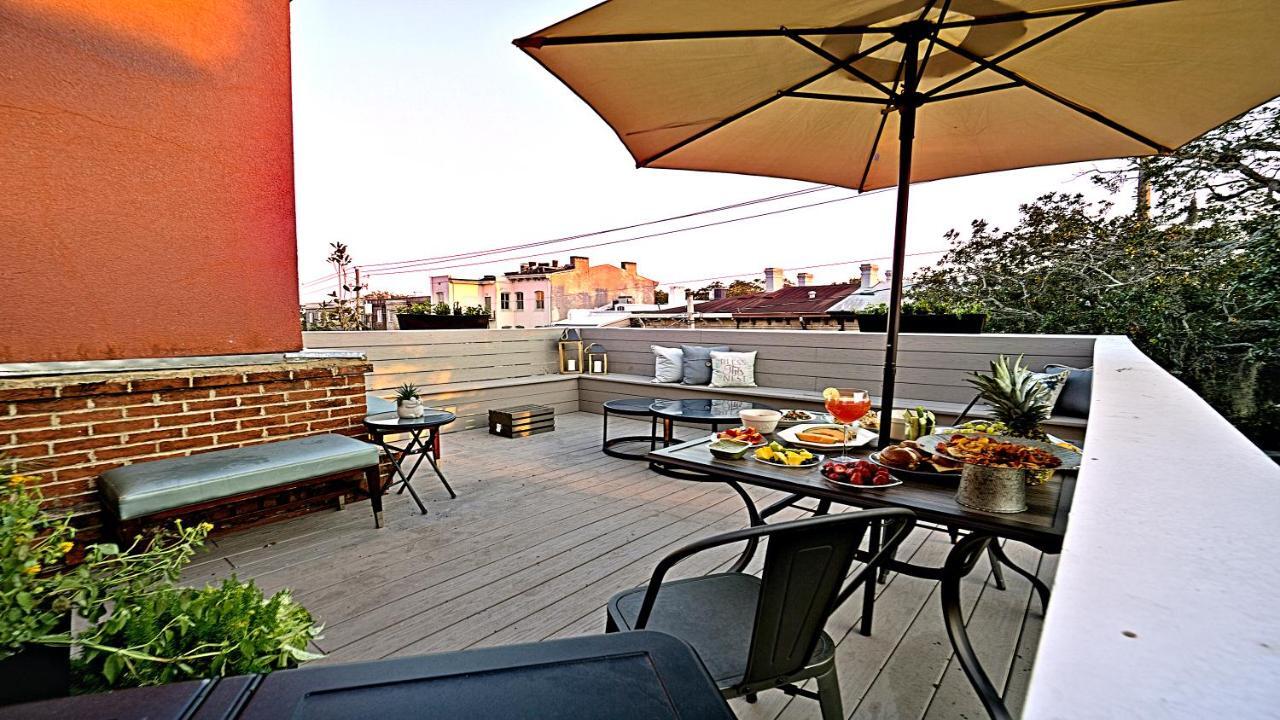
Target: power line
<point>643,237</point>
<point>801,267</point>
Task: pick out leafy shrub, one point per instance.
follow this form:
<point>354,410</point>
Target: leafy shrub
<point>442,309</point>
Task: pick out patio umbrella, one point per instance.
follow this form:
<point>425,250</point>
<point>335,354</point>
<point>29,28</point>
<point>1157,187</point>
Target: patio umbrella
<point>866,94</point>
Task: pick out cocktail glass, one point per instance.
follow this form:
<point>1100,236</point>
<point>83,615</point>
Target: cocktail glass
<point>847,406</point>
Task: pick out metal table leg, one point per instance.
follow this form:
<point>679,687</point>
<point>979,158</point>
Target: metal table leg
<point>998,555</point>
<point>396,456</point>
<point>430,455</point>
<point>754,515</point>
<point>960,562</point>
<point>869,588</point>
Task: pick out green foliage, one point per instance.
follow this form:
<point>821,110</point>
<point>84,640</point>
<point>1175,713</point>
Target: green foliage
<point>1016,396</point>
<point>476,311</point>
<point>141,628</point>
<point>407,391</point>
<point>929,305</point>
<point>442,309</point>
<point>34,597</point>
<point>419,308</point>
<point>174,634</point>
<point>1202,300</point>
<point>344,309</point>
<point>660,297</point>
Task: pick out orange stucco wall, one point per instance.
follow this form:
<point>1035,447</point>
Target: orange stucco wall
<point>146,179</point>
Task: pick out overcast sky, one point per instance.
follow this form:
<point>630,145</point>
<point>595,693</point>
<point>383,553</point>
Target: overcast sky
<point>420,131</point>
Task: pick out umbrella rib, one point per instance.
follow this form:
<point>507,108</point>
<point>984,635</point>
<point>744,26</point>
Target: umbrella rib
<point>748,110</point>
<point>1043,14</point>
<point>1087,112</point>
<point>838,98</point>
<point>1048,34</point>
<point>975,91</point>
<point>846,65</point>
<point>537,41</point>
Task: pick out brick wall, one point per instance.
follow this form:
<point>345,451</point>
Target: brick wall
<point>70,428</point>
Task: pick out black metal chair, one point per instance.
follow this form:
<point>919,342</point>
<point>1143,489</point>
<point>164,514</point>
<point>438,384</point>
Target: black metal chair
<point>757,633</point>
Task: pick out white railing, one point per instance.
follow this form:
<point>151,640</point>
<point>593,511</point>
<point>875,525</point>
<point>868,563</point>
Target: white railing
<point>1166,601</point>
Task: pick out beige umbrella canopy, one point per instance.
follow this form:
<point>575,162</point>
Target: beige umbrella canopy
<point>871,93</point>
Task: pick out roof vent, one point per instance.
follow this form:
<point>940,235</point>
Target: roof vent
<point>813,294</point>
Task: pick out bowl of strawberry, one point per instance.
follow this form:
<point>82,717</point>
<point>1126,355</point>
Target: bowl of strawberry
<point>860,474</point>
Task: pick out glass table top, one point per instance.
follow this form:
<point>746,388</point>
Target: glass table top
<point>705,410</point>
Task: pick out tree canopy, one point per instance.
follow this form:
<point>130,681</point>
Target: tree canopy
<point>1194,280</point>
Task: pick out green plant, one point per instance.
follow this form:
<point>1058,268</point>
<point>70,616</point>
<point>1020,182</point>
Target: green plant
<point>476,311</point>
<point>878,309</point>
<point>1016,396</point>
<point>176,633</point>
<point>418,308</point>
<point>33,594</point>
<point>407,391</point>
<point>442,308</point>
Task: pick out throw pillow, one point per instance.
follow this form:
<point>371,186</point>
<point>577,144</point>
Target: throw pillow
<point>1076,391</point>
<point>733,369</point>
<point>668,364</point>
<point>697,363</point>
<point>1053,381</point>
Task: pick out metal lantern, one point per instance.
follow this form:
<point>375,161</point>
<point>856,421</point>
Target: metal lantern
<point>570,352</point>
<point>597,360</point>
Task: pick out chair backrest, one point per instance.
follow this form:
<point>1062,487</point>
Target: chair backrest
<point>805,566</point>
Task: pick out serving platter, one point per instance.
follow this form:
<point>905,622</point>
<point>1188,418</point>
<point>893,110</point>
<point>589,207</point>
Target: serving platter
<point>807,464</point>
<point>716,436</point>
<point>850,486</point>
<point>926,475</point>
<point>858,439</point>
<point>1070,459</point>
<point>814,417</point>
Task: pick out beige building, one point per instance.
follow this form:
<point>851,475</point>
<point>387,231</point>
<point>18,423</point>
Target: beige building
<point>540,294</point>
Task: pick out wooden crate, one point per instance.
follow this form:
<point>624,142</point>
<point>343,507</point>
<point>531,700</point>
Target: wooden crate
<point>522,420</point>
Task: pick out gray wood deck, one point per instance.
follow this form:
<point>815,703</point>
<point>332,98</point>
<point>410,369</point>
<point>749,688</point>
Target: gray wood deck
<point>546,528</point>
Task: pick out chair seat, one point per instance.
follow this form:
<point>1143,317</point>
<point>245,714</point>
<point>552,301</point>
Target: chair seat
<point>150,487</point>
<point>714,613</point>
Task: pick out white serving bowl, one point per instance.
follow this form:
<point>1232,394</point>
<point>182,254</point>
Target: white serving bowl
<point>764,421</point>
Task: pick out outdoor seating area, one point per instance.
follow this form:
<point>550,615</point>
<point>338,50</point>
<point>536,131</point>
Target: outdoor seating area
<point>546,529</point>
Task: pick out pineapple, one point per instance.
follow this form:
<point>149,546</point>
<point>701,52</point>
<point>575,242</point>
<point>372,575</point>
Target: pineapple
<point>1017,398</point>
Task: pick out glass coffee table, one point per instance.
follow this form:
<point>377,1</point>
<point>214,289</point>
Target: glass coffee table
<point>700,412</point>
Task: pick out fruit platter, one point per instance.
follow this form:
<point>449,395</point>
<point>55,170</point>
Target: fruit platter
<point>776,454</point>
<point>825,436</point>
<point>750,436</point>
<point>860,474</point>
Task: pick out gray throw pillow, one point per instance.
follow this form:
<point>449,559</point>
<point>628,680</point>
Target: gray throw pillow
<point>1076,391</point>
<point>697,363</point>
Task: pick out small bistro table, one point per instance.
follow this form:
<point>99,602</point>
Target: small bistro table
<point>632,407</point>
<point>1042,526</point>
<point>383,424</point>
<point>620,676</point>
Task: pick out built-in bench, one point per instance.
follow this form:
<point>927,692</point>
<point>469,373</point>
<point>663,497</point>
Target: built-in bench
<point>149,492</point>
<point>596,389</point>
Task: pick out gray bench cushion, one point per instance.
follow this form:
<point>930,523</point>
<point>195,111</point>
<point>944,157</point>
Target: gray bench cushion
<point>151,487</point>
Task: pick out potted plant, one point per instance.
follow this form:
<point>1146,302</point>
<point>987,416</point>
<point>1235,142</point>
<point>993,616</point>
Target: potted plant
<point>441,316</point>
<point>408,405</point>
<point>142,629</point>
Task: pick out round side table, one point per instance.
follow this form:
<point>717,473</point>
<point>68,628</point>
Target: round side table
<point>632,407</point>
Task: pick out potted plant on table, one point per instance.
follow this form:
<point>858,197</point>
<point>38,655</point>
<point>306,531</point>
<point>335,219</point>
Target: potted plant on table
<point>408,404</point>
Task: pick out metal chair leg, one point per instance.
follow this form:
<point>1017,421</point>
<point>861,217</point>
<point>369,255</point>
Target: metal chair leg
<point>829,695</point>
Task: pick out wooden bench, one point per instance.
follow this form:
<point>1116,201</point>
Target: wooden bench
<point>596,389</point>
<point>158,490</point>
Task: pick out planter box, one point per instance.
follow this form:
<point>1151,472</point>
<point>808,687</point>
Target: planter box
<point>969,324</point>
<point>442,322</point>
<point>37,672</point>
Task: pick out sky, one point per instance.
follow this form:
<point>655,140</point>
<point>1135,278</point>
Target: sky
<point>420,132</point>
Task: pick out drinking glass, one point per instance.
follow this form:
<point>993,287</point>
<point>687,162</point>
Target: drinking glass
<point>847,406</point>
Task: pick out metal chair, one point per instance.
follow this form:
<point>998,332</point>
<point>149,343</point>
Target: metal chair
<point>757,633</point>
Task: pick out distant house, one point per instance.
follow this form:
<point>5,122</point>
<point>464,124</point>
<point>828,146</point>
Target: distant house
<point>540,294</point>
<point>782,306</point>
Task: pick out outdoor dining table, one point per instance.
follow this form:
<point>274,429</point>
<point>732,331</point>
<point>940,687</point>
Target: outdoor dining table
<point>619,676</point>
<point>1041,526</point>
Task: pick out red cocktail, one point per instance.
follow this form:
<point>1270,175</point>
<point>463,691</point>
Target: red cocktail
<point>846,406</point>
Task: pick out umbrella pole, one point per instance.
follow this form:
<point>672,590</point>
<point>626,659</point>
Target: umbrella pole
<point>908,104</point>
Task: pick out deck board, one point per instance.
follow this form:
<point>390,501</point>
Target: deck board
<point>546,528</point>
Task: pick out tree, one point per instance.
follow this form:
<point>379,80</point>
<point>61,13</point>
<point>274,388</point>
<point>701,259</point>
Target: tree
<point>1193,279</point>
<point>740,288</point>
<point>660,297</point>
<point>343,310</point>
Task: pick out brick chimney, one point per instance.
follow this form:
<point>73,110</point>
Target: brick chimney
<point>772,279</point>
<point>803,279</point>
<point>870,275</point>
<point>579,262</point>
<point>628,267</point>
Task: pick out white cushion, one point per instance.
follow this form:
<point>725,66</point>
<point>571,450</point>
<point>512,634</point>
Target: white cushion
<point>733,369</point>
<point>668,364</point>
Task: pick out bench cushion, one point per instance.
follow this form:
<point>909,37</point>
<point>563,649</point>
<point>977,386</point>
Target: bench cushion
<point>150,487</point>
